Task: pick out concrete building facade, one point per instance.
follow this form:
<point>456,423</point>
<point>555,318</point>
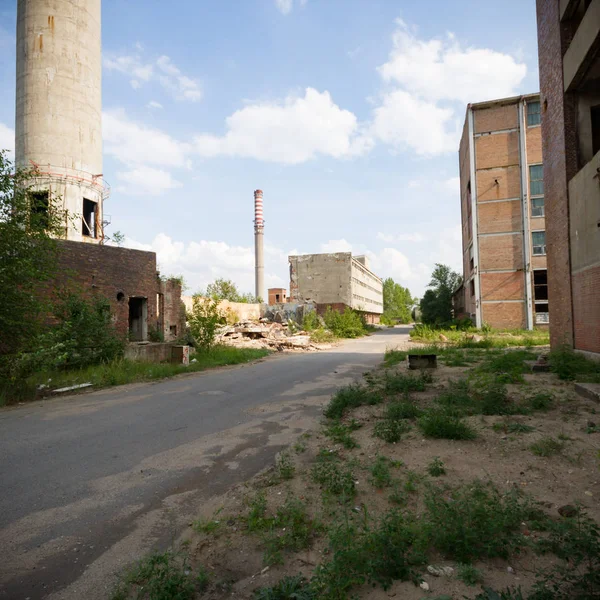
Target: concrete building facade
<point>569,59</point>
<point>59,111</point>
<point>338,280</point>
<point>503,214</point>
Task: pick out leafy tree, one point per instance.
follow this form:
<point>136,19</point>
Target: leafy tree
<point>204,320</point>
<point>397,302</point>
<point>225,289</point>
<point>28,258</point>
<point>436,305</point>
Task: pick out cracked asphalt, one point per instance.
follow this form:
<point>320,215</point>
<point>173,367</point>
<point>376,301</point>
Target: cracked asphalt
<point>94,481</point>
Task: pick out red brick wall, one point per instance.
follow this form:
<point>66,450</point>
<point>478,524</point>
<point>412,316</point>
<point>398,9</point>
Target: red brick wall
<point>504,315</point>
<point>108,270</point>
<point>558,147</point>
<point>586,308</point>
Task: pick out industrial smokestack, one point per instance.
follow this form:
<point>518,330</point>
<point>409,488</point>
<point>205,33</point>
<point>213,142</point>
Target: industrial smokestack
<point>259,227</point>
<point>59,106</point>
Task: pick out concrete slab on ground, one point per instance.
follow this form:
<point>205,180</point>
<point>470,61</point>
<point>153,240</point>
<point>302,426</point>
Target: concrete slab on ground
<point>588,390</point>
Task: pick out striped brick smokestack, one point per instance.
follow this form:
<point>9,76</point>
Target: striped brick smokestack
<point>259,225</point>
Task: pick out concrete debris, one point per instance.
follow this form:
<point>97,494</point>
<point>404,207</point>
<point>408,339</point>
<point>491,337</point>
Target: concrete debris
<point>265,334</point>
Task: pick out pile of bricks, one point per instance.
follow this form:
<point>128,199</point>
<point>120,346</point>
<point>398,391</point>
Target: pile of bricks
<point>264,334</point>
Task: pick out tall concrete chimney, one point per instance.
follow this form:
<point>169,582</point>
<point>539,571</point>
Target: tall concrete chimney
<point>259,228</point>
<point>59,107</point>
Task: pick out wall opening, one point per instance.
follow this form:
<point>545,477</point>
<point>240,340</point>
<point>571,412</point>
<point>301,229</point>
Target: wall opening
<point>39,203</point>
<point>595,114</point>
<point>89,218</point>
<point>540,296</point>
<point>138,319</point>
<point>173,330</point>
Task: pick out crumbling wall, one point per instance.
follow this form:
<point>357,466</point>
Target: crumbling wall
<point>245,311</point>
<point>321,278</point>
<point>114,273</point>
<point>171,317</point>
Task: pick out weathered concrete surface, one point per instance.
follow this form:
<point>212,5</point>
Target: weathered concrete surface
<point>90,483</point>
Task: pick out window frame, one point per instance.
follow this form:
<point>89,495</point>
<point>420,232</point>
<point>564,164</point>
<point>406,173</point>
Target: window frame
<point>537,115</point>
<point>534,245</point>
<point>536,196</point>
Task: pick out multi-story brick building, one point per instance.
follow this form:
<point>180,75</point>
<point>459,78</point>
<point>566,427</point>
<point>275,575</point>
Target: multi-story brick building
<point>338,280</point>
<point>569,57</point>
<point>503,214</point>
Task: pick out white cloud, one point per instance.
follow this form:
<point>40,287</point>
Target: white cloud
<point>154,104</point>
<point>7,140</point>
<point>289,131</point>
<point>135,143</point>
<point>439,69</point>
<point>407,122</point>
<point>401,237</point>
<point>146,181</point>
<point>285,6</point>
<point>162,70</point>
<point>204,261</point>
<point>336,246</point>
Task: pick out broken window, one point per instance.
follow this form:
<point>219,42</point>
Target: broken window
<point>40,205</point>
<point>277,298</point>
<point>540,284</point>
<point>595,114</point>
<point>138,319</point>
<point>472,287</point>
<point>88,225</point>
<point>538,243</point>
<point>534,114</point>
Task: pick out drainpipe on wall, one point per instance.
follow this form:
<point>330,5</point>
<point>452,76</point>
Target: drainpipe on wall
<point>525,212</point>
<point>475,233</point>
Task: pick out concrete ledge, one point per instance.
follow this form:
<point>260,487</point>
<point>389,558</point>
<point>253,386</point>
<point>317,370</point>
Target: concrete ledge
<point>591,391</point>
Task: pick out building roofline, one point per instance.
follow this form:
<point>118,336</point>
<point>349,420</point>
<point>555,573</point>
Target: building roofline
<point>502,101</point>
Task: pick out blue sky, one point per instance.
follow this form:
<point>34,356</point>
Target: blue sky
<point>346,113</point>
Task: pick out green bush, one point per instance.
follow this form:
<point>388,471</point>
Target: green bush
<point>441,425</point>
<point>475,521</point>
<point>570,365</point>
<point>347,324</point>
<point>83,335</point>
<point>350,396</point>
<point>397,411</point>
<point>334,479</point>
<point>204,321</point>
<point>390,431</point>
<point>436,467</point>
<point>311,321</point>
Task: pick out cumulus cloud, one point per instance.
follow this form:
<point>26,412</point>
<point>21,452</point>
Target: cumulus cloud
<point>429,83</point>
<point>443,69</point>
<point>161,70</point>
<point>7,140</point>
<point>289,131</point>
<point>146,181</point>
<point>285,6</point>
<point>401,237</point>
<point>336,246</point>
<point>135,143</point>
<point>154,104</point>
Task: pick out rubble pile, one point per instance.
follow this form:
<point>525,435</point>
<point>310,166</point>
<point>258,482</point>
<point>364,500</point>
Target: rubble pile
<point>265,334</point>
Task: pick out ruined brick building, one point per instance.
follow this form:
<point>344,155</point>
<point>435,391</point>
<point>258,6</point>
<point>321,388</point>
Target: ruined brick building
<point>569,59</point>
<point>503,215</point>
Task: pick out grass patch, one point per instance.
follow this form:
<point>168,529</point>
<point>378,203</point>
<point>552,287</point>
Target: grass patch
<point>541,401</point>
<point>436,467</point>
<point>397,411</point>
<point>285,466</point>
<point>206,526</point>
<point>390,431</point>
<point>547,446</point>
<point>507,366</point>
<point>351,396</point>
<point>475,521</point>
<point>401,383</point>
<point>334,478</point>
<point>570,365</point>
<point>295,587</point>
<point>440,425</point>
<point>340,433</point>
<point>381,475</point>
<point>393,357</point>
<point>490,338</point>
<point>124,371</point>
<point>162,576</point>
<point>468,574</point>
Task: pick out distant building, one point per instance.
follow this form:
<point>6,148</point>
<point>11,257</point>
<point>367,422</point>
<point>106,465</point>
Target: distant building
<point>338,280</point>
<point>503,214</point>
<point>277,296</point>
<point>569,57</point>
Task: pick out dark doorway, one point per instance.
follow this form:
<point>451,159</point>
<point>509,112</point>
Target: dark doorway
<point>138,319</point>
<point>90,216</point>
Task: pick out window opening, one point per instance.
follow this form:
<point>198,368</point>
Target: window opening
<point>40,206</point>
<point>534,114</point>
<point>538,242</point>
<point>88,225</point>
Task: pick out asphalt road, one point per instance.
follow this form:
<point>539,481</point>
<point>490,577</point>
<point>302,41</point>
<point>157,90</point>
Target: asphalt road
<point>92,482</point>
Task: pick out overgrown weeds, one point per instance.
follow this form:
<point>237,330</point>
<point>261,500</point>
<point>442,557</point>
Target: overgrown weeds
<point>162,576</point>
<point>294,587</point>
<point>547,446</point>
<point>468,574</point>
<point>393,357</point>
<point>396,411</point>
<point>438,424</point>
<point>381,474</point>
<point>341,433</point>
<point>401,383</point>
<point>570,365</point>
<point>390,430</point>
<point>335,479</point>
<point>436,467</point>
<point>351,396</point>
